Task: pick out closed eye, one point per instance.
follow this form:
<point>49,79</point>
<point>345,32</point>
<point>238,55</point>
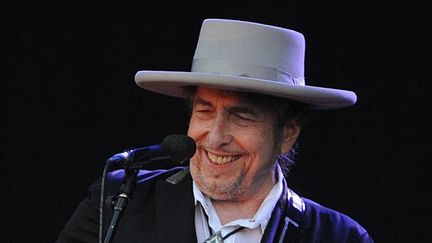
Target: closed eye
<point>245,116</point>
<point>202,112</point>
<point>244,113</point>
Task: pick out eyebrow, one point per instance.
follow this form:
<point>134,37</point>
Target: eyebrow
<point>201,101</point>
<point>246,109</point>
<point>242,109</point>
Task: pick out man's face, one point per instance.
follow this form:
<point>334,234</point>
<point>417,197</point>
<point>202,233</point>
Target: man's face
<point>235,158</point>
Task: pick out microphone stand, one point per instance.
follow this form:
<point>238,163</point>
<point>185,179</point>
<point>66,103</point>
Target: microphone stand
<point>121,200</point>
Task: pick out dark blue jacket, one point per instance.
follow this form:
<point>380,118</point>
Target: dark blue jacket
<point>162,210</point>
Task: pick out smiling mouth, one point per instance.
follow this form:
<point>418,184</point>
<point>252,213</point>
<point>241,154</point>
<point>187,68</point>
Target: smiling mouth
<point>217,159</point>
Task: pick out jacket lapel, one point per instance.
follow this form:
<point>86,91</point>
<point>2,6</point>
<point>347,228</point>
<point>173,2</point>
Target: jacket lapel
<point>175,208</point>
<point>275,224</point>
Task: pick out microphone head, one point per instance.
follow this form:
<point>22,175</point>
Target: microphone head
<point>180,147</point>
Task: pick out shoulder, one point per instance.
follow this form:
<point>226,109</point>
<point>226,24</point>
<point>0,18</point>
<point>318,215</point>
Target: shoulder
<point>148,196</point>
<point>144,175</point>
<point>329,225</point>
<point>145,179</point>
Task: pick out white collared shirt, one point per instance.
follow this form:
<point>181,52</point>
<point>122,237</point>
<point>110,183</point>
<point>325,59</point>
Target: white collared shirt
<point>254,227</point>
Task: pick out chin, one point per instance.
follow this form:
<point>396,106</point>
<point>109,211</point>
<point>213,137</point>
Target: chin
<point>217,190</point>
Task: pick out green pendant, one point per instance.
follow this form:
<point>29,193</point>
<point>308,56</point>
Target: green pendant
<point>215,238</point>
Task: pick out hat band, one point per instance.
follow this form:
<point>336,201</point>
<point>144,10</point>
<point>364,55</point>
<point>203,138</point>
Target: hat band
<point>248,70</point>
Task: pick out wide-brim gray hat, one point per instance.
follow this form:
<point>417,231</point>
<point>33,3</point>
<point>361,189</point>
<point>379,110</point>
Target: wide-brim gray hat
<point>247,57</point>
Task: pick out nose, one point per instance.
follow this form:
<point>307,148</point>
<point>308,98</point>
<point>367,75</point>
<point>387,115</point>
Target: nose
<point>219,133</point>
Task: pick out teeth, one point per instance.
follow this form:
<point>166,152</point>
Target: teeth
<point>221,159</point>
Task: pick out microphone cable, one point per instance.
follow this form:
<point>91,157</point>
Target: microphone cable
<point>102,202</point>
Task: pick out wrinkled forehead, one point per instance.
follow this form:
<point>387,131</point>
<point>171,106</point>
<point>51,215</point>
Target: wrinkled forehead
<point>216,94</point>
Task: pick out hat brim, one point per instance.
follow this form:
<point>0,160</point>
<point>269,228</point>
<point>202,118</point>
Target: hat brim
<point>171,83</point>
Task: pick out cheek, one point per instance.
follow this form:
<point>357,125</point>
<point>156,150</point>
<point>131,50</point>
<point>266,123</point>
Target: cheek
<point>261,144</point>
<point>194,129</point>
<point>260,138</point>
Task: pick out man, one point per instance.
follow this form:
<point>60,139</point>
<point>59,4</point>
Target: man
<point>248,103</point>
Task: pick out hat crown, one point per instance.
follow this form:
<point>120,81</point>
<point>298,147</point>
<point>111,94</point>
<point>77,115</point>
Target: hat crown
<point>240,48</point>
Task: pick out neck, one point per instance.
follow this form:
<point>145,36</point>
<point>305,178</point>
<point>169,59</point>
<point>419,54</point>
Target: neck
<point>245,208</point>
<point>229,211</point>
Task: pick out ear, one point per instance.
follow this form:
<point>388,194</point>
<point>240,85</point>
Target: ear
<point>290,133</point>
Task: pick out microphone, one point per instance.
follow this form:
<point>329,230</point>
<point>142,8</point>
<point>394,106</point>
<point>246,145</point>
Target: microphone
<point>174,148</point>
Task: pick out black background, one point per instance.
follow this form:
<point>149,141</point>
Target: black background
<point>70,101</point>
